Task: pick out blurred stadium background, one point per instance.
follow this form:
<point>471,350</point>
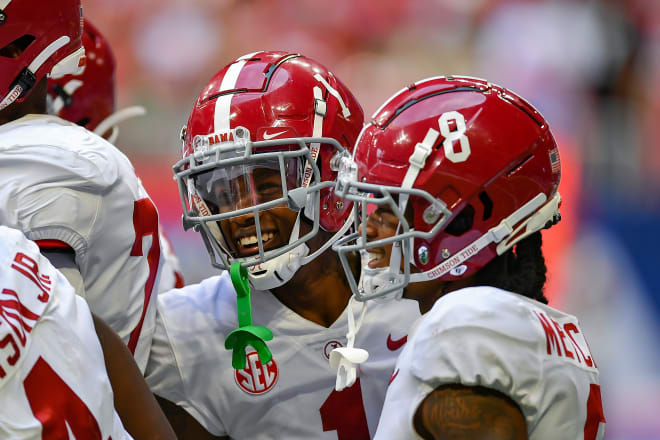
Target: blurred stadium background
<point>590,66</point>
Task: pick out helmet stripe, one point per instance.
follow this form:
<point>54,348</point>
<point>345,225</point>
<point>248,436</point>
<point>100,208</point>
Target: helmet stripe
<point>223,103</point>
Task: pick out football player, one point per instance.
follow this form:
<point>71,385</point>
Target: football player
<point>66,188</point>
<point>260,151</point>
<point>88,99</point>
<point>53,377</point>
<point>452,183</point>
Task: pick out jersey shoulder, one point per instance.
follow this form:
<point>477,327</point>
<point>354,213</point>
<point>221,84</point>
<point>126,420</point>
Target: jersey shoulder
<point>486,308</point>
<point>74,183</point>
<point>27,284</point>
<point>60,151</point>
<point>479,336</point>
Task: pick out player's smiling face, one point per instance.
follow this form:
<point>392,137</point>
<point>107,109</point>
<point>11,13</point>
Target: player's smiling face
<point>381,223</point>
<point>276,223</point>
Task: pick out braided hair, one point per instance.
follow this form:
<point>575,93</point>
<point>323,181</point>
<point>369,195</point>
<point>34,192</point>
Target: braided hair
<point>521,269</point>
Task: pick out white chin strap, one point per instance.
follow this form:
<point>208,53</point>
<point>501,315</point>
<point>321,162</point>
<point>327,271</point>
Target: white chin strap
<point>531,217</point>
<point>57,104</point>
<point>279,270</point>
<point>344,359</point>
<point>372,280</point>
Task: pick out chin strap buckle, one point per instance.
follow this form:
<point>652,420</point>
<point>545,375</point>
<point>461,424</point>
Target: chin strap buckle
<point>344,359</point>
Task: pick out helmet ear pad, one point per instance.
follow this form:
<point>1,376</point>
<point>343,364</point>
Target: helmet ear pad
<point>333,210</point>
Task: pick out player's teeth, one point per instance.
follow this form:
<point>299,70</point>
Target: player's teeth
<point>246,241</point>
<point>252,239</point>
<point>374,256</point>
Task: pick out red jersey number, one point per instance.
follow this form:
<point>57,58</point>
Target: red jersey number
<point>57,406</point>
<point>145,222</point>
<point>343,411</point>
<point>595,413</point>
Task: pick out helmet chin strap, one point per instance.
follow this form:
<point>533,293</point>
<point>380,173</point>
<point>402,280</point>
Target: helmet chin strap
<point>531,217</point>
<point>344,359</point>
<point>279,270</point>
<point>376,278</point>
<point>58,103</point>
<point>534,215</point>
<point>26,79</point>
<point>285,266</point>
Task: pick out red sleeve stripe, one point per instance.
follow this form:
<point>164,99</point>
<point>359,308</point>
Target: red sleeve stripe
<point>48,244</point>
<point>179,280</point>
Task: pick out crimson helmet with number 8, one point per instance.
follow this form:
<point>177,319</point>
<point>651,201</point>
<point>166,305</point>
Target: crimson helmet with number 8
<point>37,39</point>
<point>469,169</point>
<point>274,110</point>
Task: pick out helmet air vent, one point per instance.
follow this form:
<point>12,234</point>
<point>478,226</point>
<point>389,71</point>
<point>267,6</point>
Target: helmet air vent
<point>462,223</point>
<point>17,47</point>
<point>488,205</point>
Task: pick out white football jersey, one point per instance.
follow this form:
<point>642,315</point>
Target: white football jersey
<point>53,381</point>
<point>482,336</point>
<point>292,396</point>
<point>170,272</point>
<point>62,182</point>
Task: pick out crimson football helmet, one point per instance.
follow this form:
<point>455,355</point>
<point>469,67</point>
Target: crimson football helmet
<point>37,39</point>
<point>88,98</point>
<point>468,168</point>
<point>273,116</point>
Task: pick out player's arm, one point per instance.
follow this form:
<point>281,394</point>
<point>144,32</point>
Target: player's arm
<point>136,406</point>
<point>184,424</point>
<point>454,412</point>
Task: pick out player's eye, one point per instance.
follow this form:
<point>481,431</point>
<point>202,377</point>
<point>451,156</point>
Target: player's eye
<point>385,217</point>
<point>269,190</point>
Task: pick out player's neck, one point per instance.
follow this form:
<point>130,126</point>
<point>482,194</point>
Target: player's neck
<point>34,103</point>
<point>426,293</point>
<point>318,292</point>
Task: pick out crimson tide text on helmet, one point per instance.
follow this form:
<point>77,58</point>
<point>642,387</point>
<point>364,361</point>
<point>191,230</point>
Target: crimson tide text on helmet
<point>37,39</point>
<point>441,149</point>
<point>273,110</point>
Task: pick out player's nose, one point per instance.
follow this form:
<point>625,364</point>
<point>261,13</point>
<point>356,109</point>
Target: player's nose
<point>371,228</point>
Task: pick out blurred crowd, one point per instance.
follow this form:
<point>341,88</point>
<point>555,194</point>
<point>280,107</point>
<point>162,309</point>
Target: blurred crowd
<point>590,66</point>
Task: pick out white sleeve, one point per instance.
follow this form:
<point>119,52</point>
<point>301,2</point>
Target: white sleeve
<point>478,341</point>
<point>167,376</point>
<point>162,373</point>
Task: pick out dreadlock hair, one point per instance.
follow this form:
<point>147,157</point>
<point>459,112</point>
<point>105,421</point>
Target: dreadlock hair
<point>521,269</point>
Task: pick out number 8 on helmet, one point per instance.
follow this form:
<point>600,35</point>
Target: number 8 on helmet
<point>467,167</point>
